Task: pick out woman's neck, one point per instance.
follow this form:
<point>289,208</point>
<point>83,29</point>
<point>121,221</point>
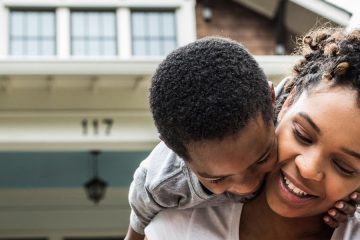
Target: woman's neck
<point>257,217</point>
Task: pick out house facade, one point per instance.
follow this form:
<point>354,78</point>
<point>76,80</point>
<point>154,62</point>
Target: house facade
<point>74,77</point>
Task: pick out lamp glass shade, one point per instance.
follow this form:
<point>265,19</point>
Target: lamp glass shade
<point>95,189</point>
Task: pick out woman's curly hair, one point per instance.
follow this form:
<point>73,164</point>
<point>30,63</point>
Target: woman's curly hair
<point>329,54</point>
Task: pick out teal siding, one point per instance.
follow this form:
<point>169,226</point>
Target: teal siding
<point>65,169</point>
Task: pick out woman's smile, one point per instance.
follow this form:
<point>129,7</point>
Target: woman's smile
<point>293,191</point>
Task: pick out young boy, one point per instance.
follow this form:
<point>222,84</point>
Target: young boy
<point>212,106</point>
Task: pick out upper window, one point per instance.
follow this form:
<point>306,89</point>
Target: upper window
<point>153,33</point>
<point>32,33</point>
<point>93,33</point>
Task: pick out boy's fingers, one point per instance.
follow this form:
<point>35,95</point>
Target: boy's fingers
<point>331,222</point>
<point>355,197</point>
<point>337,215</point>
<point>346,208</point>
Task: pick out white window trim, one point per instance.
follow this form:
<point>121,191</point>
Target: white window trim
<point>4,32</point>
<point>124,33</point>
<point>63,33</point>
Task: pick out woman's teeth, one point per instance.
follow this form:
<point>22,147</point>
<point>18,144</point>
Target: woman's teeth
<point>292,188</point>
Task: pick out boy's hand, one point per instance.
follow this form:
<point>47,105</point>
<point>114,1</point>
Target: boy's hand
<point>342,209</point>
<point>132,235</point>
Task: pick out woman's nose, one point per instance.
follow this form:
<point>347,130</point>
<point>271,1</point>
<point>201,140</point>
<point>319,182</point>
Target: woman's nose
<point>310,166</point>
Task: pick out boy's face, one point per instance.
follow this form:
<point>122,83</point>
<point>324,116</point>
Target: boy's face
<point>238,163</point>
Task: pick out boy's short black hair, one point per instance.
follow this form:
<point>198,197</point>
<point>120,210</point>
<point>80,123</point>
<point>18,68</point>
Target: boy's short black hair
<point>207,90</point>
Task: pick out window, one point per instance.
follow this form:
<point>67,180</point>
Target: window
<point>93,33</point>
<point>153,33</point>
<point>32,33</point>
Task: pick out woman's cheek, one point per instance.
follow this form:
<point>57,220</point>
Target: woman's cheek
<point>287,146</point>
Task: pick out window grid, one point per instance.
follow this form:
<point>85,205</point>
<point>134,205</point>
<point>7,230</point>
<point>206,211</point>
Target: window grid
<point>101,39</point>
<point>161,38</point>
<point>24,38</point>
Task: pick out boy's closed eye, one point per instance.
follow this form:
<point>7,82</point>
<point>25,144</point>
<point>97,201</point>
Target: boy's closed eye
<point>216,180</point>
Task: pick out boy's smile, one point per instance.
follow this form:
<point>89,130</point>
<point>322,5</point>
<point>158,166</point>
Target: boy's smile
<point>237,163</point>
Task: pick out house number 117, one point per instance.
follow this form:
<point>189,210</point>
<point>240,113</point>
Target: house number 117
<point>97,126</point>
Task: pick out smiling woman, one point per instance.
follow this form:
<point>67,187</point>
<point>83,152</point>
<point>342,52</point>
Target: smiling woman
<point>319,152</point>
<point>318,157</point>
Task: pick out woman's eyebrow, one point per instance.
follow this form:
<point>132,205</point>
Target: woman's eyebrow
<point>351,152</point>
<point>306,116</point>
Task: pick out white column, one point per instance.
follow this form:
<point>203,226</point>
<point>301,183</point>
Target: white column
<point>63,32</point>
<point>186,22</point>
<point>4,31</point>
<point>124,33</point>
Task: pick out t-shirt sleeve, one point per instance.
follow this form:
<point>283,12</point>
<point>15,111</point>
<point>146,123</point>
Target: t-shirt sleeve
<point>142,203</point>
<point>158,184</point>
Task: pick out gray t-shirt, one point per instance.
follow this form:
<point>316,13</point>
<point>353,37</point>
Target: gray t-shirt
<point>219,223</point>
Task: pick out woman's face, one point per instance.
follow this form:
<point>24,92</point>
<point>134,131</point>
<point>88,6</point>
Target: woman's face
<point>319,153</point>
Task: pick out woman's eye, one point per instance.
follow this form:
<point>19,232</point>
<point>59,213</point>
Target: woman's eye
<point>301,136</point>
<point>217,180</point>
<point>344,169</point>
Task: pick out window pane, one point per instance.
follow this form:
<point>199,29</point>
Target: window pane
<point>47,48</point>
<point>32,47</point>
<point>77,24</point>
<point>17,24</point>
<point>17,47</point>
<point>139,48</point>
<point>32,33</point>
<point>109,48</point>
<point>168,46</point>
<point>32,20</point>
<point>154,24</point>
<point>138,24</point>
<point>153,33</point>
<point>108,24</point>
<point>94,33</point>
<point>168,23</point>
<point>47,25</point>
<point>78,47</point>
<point>93,25</point>
<point>155,47</point>
<point>94,47</point>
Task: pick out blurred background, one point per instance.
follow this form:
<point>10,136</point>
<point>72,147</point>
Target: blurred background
<point>74,78</point>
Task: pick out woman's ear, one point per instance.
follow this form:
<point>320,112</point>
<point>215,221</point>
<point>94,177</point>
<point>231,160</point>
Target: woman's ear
<point>287,104</point>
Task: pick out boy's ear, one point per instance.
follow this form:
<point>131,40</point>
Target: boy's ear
<point>287,104</point>
<point>272,89</point>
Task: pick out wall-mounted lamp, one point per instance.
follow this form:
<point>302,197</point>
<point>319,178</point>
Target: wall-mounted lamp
<point>95,187</point>
<point>207,13</point>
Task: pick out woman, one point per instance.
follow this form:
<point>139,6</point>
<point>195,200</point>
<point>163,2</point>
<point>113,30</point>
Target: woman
<point>319,156</point>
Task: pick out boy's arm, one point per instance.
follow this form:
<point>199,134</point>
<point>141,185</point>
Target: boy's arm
<point>158,184</point>
<point>142,202</point>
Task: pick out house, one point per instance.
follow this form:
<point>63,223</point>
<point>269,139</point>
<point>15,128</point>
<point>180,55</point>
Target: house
<point>74,76</point>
